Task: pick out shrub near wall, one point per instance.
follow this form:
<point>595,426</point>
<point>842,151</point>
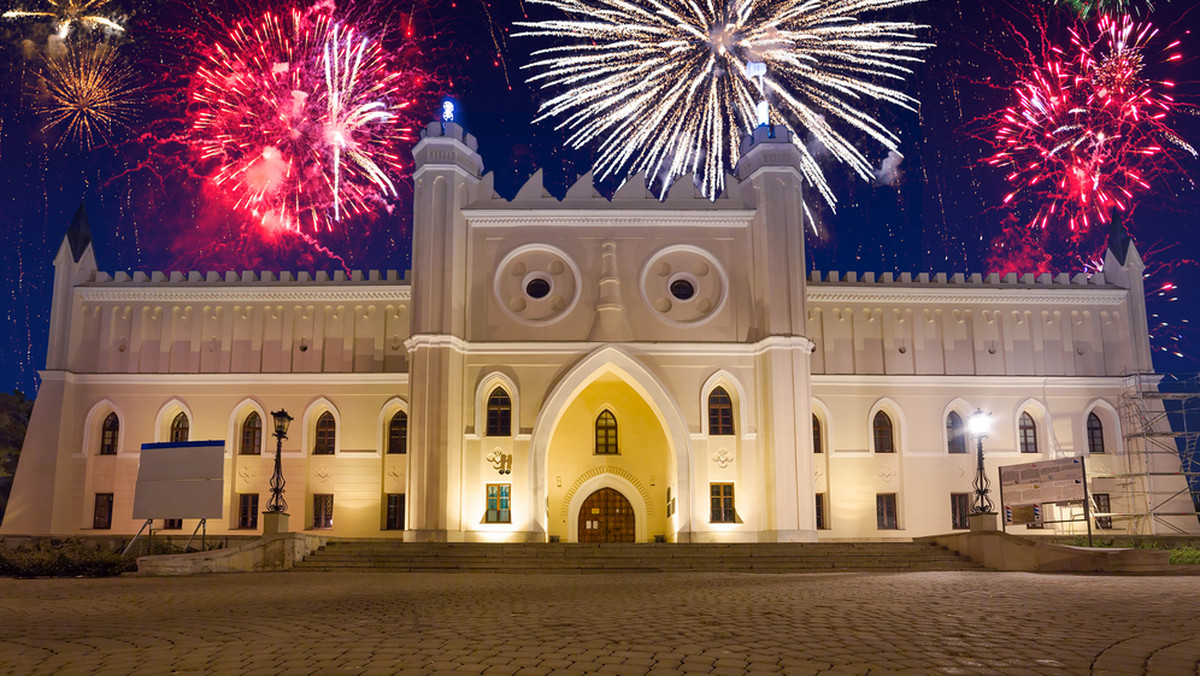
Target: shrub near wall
<point>64,558</point>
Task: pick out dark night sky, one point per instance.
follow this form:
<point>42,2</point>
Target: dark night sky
<point>148,212</point>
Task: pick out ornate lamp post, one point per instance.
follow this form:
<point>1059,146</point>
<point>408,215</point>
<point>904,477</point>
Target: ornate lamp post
<point>277,504</point>
<point>980,424</point>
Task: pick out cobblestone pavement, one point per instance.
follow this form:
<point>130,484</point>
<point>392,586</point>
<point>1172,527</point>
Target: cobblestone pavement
<point>668,623</point>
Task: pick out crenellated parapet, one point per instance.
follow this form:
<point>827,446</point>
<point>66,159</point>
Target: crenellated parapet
<point>960,324</point>
<point>247,322</point>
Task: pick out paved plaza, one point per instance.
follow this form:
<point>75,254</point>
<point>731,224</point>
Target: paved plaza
<point>570,623</point>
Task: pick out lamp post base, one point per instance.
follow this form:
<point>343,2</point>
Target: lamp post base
<point>275,523</point>
<point>984,522</point>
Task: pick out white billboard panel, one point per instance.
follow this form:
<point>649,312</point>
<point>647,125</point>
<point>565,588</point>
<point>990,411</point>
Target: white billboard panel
<point>1036,483</point>
<point>182,480</point>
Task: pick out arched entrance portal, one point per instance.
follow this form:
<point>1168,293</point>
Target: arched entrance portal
<point>606,516</point>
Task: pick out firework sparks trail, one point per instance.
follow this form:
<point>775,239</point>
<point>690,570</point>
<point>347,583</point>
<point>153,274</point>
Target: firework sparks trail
<point>663,86</point>
<point>1089,130</point>
<point>1086,8</point>
<point>90,94</point>
<point>302,116</point>
<point>66,13</point>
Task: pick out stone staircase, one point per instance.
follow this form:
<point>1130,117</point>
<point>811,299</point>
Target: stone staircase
<point>392,555</point>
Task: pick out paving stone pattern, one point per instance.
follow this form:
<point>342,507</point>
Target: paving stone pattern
<point>607,623</point>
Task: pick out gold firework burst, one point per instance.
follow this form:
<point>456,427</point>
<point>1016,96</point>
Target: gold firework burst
<point>668,87</point>
<point>66,13</point>
<point>90,93</point>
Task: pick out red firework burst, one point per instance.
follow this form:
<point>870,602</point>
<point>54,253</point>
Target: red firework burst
<point>1090,130</point>
<point>301,119</point>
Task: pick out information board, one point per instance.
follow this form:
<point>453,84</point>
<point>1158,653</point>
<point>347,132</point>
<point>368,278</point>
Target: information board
<point>182,480</point>
<point>1036,483</point>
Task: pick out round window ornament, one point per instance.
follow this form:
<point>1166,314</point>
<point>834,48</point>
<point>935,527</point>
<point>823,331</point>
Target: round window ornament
<point>537,287</point>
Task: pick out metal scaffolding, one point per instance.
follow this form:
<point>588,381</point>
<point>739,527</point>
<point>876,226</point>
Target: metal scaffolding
<point>1160,422</point>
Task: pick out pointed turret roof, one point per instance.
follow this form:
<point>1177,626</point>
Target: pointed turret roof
<point>1118,239</point>
<point>79,234</point>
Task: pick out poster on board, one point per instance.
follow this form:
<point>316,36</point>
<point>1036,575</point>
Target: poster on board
<point>180,480</point>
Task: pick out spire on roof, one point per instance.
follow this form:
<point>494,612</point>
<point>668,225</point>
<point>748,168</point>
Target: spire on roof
<point>1118,238</point>
<point>79,235</point>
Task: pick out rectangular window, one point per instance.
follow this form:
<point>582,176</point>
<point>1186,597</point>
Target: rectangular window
<point>395,511</point>
<point>102,516</point>
<point>960,510</point>
<point>721,496</point>
<point>498,510</point>
<point>822,520</point>
<point>885,511</point>
<point>322,510</point>
<point>1103,506</point>
<point>172,524</point>
<point>248,511</point>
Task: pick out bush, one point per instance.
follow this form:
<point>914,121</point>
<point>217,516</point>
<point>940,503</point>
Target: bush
<point>64,558</point>
<point>1185,556</point>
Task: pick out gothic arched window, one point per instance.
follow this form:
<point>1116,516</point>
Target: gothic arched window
<point>956,434</point>
<point>109,432</point>
<point>1095,434</point>
<point>818,442</point>
<point>882,425</point>
<point>1028,433</point>
<point>251,435</point>
<point>606,433</point>
<point>179,429</point>
<point>720,412</point>
<point>326,434</point>
<point>499,414</point>
<point>398,433</point>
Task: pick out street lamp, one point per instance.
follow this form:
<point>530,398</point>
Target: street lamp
<point>980,424</point>
<point>277,504</point>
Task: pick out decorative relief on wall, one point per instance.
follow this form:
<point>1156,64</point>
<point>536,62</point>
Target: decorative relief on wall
<point>394,472</point>
<point>323,474</point>
<point>537,284</point>
<point>246,474</point>
<point>501,462</point>
<point>818,473</point>
<point>887,474</point>
<point>684,284</point>
<point>722,458</point>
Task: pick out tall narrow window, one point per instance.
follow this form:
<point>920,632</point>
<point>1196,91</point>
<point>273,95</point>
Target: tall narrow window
<point>395,511</point>
<point>606,433</point>
<point>722,503</point>
<point>883,433</point>
<point>323,510</point>
<point>179,429</point>
<point>956,434</point>
<point>248,511</point>
<point>818,442</point>
<point>1028,433</point>
<point>109,432</point>
<point>398,433</point>
<point>1103,506</point>
<point>499,414</point>
<point>720,412</point>
<point>822,519</point>
<point>885,511</point>
<point>1095,434</point>
<point>326,433</point>
<point>102,513</point>
<point>960,509</point>
<point>498,509</point>
<point>251,435</point>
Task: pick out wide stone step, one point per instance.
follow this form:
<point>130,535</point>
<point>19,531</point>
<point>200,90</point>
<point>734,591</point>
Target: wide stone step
<point>393,555</point>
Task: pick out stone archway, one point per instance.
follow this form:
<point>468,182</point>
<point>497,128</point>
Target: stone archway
<point>654,444</point>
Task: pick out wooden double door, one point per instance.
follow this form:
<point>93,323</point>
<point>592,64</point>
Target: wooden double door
<point>606,516</point>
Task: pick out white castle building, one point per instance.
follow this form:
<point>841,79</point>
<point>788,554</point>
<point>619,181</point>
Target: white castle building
<point>588,369</point>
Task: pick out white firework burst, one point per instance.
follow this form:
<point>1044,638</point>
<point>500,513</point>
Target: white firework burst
<point>663,86</point>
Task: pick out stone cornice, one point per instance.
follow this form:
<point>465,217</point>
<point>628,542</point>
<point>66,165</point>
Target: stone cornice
<point>823,382</point>
<point>612,216</point>
<point>877,293</point>
<point>340,292</point>
<point>258,379</point>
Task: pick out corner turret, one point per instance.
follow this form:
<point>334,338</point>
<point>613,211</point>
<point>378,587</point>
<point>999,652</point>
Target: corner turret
<point>1123,267</point>
<point>74,264</point>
